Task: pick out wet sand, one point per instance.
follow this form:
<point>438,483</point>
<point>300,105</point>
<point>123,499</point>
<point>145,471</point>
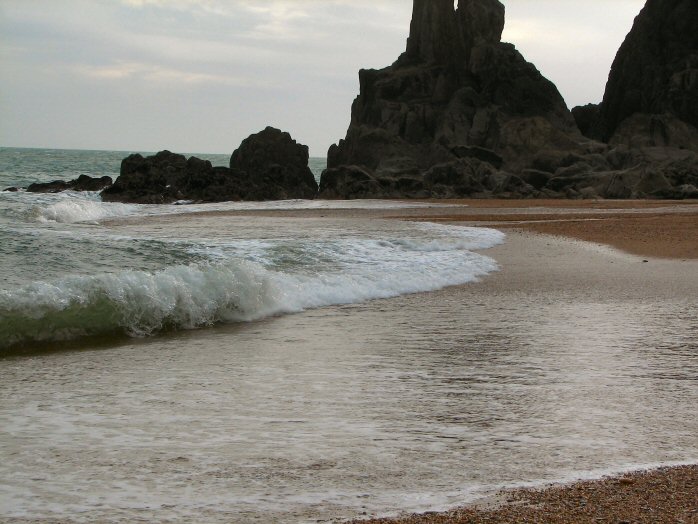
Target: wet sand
<point>665,233</point>
<point>649,228</point>
<point>591,249</point>
<point>653,228</point>
<point>660,230</point>
<point>666,495</point>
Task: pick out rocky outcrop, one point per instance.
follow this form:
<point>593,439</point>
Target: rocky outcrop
<point>267,166</point>
<point>168,177</point>
<point>276,164</point>
<point>457,92</point>
<point>82,183</point>
<point>462,114</point>
<point>656,69</point>
<point>651,98</point>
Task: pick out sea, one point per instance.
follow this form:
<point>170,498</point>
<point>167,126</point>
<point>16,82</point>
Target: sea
<point>223,363</point>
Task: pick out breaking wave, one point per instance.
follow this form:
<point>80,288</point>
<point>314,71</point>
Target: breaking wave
<point>227,288</point>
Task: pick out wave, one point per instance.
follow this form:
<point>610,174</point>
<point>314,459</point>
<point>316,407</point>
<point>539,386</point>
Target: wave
<point>73,207</point>
<point>74,210</point>
<point>224,290</point>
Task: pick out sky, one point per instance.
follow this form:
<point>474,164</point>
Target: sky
<point>201,75</point>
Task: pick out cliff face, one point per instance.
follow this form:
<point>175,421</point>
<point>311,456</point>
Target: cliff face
<point>462,114</point>
<point>651,98</point>
<point>656,69</point>
<point>456,85</point>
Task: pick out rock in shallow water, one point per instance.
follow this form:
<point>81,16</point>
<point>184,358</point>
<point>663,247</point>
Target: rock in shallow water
<point>82,183</point>
<point>267,166</point>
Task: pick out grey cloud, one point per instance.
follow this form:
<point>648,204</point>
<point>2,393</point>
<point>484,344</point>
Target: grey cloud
<point>201,75</point>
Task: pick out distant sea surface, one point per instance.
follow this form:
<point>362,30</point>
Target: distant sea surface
<point>161,364</point>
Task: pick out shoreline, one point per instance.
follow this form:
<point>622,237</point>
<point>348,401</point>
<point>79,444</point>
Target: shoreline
<point>566,289</point>
<point>659,493</point>
<point>624,235</point>
<point>663,229</point>
<point>539,262</point>
<point>665,494</point>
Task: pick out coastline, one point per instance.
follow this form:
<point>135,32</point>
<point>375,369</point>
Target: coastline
<point>650,228</point>
<point>655,496</point>
<point>658,229</point>
<point>654,242</point>
<point>624,234</point>
<point>554,297</point>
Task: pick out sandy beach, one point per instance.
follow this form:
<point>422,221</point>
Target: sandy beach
<point>575,360</point>
<point>666,495</point>
<point>586,249</point>
<point>660,240</point>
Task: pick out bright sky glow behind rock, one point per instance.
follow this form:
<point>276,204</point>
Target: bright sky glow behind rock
<point>199,76</point>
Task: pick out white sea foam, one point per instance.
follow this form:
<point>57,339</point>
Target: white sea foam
<point>73,210</point>
<point>264,279</point>
<point>71,207</point>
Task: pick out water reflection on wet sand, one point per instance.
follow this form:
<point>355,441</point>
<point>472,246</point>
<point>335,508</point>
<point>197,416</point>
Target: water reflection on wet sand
<point>569,361</point>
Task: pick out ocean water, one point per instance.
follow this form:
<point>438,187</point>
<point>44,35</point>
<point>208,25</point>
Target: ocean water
<point>68,277</point>
<point>176,364</point>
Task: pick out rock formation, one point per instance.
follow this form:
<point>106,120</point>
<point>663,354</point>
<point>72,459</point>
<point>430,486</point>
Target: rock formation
<point>457,91</point>
<point>462,114</point>
<point>82,183</point>
<point>277,166</point>
<point>656,70</point>
<point>267,166</point>
<point>168,177</point>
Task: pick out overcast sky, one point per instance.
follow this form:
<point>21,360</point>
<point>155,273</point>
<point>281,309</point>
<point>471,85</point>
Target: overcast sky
<point>201,75</point>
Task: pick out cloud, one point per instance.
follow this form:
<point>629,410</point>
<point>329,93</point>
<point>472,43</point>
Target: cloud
<point>163,76</point>
<point>292,63</point>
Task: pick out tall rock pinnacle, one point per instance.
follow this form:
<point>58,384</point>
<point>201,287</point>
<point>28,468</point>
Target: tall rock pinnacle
<point>456,85</point>
<point>481,22</point>
<point>461,113</point>
<point>443,35</point>
<point>433,34</point>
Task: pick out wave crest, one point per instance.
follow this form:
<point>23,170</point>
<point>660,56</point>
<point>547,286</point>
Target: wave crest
<point>142,303</point>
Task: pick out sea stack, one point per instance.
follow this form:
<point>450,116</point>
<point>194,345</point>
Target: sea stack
<point>462,114</point>
<point>458,96</point>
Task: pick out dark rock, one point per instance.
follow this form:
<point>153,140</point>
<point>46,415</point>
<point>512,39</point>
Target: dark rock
<point>276,162</point>
<point>462,178</point>
<point>56,186</point>
<point>82,183</point>
<point>11,189</point>
<point>656,69</point>
<point>167,177</point>
<point>267,166</point>
<point>588,119</point>
<point>467,177</point>
<point>535,178</point>
<point>459,99</point>
<point>456,92</point>
<point>481,153</point>
<point>349,182</point>
<point>88,183</point>
<point>642,130</point>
